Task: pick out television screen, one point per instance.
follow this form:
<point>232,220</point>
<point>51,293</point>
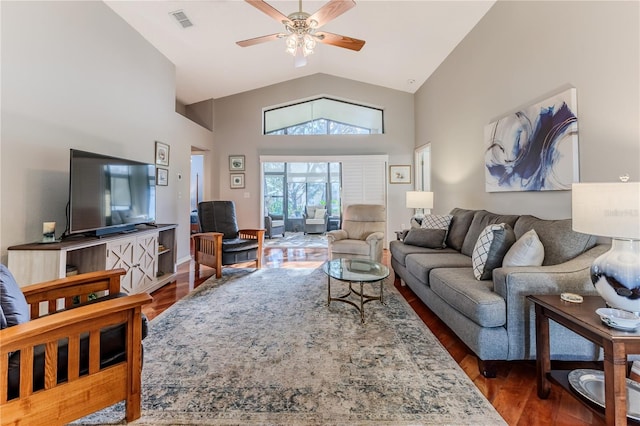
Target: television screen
<point>109,194</point>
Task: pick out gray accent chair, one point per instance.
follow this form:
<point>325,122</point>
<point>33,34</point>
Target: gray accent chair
<point>362,233</point>
<point>316,220</point>
<point>274,225</point>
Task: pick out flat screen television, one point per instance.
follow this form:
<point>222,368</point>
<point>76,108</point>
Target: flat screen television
<point>109,194</point>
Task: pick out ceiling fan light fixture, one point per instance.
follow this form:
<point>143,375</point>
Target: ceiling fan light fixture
<point>291,43</point>
<point>308,44</point>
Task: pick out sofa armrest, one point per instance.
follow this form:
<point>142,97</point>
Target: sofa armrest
<point>337,235</point>
<point>573,276</point>
<point>515,283</point>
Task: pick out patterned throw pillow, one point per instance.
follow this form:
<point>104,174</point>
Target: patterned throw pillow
<point>492,244</point>
<point>527,251</point>
<point>435,221</point>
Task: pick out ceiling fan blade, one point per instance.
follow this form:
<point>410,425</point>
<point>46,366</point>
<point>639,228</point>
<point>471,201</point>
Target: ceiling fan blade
<point>268,9</point>
<point>330,11</point>
<point>258,40</point>
<point>340,40</point>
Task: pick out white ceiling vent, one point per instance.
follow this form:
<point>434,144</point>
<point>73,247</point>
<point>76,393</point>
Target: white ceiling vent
<point>182,19</point>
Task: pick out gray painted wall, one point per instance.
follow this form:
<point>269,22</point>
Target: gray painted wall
<point>238,130</point>
<point>75,75</point>
<point>518,53</point>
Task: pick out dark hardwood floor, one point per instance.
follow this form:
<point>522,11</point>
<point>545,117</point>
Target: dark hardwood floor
<point>512,392</point>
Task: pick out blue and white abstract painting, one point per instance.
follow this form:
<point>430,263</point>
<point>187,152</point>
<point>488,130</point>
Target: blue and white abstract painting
<point>535,149</point>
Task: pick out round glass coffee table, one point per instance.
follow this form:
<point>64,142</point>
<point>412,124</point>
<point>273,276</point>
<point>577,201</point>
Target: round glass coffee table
<point>355,271</point>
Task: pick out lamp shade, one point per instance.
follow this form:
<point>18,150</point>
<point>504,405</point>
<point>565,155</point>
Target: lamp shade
<point>607,209</point>
<point>612,210</point>
<point>419,200</point>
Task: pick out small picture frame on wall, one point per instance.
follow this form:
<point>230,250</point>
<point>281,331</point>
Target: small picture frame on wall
<point>236,163</point>
<point>400,174</point>
<point>162,177</point>
<point>162,154</point>
<point>236,180</point>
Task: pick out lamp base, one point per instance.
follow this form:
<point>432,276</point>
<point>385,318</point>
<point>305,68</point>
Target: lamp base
<point>616,275</point>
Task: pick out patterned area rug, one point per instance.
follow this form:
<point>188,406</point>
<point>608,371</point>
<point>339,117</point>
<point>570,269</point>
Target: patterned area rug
<point>262,348</point>
<point>296,240</point>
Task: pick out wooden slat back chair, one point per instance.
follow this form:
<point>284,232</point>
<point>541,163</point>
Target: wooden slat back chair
<point>221,242</point>
<point>68,392</point>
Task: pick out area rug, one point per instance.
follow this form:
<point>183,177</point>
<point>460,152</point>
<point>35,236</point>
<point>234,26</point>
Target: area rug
<point>262,348</point>
<point>297,240</point>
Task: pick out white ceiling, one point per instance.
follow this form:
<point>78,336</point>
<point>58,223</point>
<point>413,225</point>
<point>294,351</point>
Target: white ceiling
<point>405,42</point>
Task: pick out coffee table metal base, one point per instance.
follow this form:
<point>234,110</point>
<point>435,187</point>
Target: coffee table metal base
<point>363,298</point>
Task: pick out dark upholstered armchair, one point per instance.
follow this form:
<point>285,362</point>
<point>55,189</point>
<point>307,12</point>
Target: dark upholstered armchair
<point>274,224</point>
<point>221,242</point>
<point>63,357</point>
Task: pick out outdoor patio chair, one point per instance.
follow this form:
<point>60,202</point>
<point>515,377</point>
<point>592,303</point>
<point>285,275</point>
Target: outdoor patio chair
<point>316,219</point>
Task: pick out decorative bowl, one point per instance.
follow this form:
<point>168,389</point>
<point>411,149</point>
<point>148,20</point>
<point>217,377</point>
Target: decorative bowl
<point>618,318</point>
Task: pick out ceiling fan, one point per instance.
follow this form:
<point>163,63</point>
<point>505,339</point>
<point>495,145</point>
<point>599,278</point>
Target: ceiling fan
<point>301,29</point>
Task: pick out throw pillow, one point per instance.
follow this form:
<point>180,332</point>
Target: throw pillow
<point>439,222</point>
<point>320,213</point>
<point>492,245</point>
<point>527,251</point>
<point>429,238</point>
<point>14,305</point>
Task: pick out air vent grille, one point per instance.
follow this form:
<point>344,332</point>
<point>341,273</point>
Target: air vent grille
<point>182,18</point>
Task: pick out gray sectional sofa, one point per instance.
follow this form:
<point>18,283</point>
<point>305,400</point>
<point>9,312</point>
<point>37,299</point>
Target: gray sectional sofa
<point>493,316</point>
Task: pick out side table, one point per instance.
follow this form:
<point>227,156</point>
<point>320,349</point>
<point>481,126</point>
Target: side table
<point>582,319</point>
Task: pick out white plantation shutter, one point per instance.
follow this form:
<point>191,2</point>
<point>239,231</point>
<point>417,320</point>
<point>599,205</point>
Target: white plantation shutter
<point>364,180</point>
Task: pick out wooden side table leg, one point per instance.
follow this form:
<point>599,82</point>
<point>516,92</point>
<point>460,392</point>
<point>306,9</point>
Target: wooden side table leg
<point>615,384</point>
<point>543,358</point>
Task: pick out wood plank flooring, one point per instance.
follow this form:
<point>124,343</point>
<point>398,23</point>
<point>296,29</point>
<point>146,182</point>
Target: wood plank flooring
<point>512,392</point>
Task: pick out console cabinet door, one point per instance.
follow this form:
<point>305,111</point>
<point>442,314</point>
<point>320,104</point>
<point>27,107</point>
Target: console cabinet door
<point>137,256</point>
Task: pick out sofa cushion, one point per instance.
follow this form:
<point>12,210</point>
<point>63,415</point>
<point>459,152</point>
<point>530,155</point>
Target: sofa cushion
<point>560,241</point>
<point>400,251</point>
<point>492,244</point>
<point>420,265</point>
<point>474,299</point>
<point>429,238</point>
<point>526,251</point>
<point>14,306</point>
<point>482,219</point>
<point>460,222</point>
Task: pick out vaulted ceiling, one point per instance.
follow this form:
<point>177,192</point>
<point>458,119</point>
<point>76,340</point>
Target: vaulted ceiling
<point>405,42</point>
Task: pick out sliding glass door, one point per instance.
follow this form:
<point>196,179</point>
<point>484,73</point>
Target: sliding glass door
<point>290,187</point>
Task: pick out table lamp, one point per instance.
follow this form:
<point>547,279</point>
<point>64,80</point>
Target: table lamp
<point>419,200</point>
<point>612,210</point>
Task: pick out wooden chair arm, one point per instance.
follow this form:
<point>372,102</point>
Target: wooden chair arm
<point>62,324</point>
<point>77,286</point>
<point>252,233</point>
<point>207,235</point>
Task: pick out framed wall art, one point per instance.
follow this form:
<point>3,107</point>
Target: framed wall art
<point>162,154</point>
<point>162,177</point>
<point>535,148</point>
<point>237,180</point>
<point>236,163</point>
<point>399,174</point>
